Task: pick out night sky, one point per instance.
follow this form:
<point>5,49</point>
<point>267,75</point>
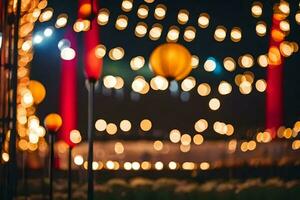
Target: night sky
<point>245,112</point>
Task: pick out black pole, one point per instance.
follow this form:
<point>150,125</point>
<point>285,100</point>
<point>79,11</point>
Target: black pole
<point>70,173</point>
<point>90,141</point>
<point>51,164</point>
<point>12,175</point>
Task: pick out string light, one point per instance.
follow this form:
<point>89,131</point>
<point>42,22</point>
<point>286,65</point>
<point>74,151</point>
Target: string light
<point>160,12</point>
<point>183,16</point>
<point>203,20</point>
<point>103,16</point>
<point>143,11</point>
<point>220,33</point>
<point>127,5</point>
<point>121,22</point>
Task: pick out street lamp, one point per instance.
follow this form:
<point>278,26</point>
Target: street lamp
<point>52,123</point>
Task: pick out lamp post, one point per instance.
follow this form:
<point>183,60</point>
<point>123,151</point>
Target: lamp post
<point>92,68</point>
<point>75,138</point>
<point>52,123</point>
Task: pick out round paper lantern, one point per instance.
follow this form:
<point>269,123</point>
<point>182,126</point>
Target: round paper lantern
<point>53,122</point>
<point>171,60</point>
<point>38,91</point>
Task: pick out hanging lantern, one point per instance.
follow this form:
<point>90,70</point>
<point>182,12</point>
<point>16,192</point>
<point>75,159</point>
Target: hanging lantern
<point>53,122</point>
<point>171,60</point>
<point>38,91</point>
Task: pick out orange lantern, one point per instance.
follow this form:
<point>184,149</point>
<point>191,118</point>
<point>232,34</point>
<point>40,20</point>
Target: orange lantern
<point>38,91</point>
<point>53,122</point>
<point>171,60</point>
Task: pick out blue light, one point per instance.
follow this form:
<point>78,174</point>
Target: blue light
<point>37,39</point>
<point>218,68</point>
<point>48,32</point>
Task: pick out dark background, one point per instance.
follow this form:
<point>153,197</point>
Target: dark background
<point>245,112</point>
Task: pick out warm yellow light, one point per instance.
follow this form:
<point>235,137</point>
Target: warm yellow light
<point>214,104</point>
<point>220,33</point>
<point>145,165</point>
<point>186,139</point>
<point>5,157</point>
<point>78,160</point>
<point>261,85</point>
<point>125,125</point>
<point>188,83</point>
<point>284,26</point>
<point>232,144</point>
<point>204,166</point>
<point>103,16</point>
<point>224,88</point>
<point>26,46</point>
<point>256,9</point>
<point>229,64</point>
<point>189,34</point>
<point>158,145</point>
<point>109,81</point>
<point>297,17</point>
<point>175,136</point>
<point>111,128</point>
<point>138,84</point>
<point>159,83</point>
<point>75,136</point>
<point>159,165</point>
<point>100,51</point>
<point>284,7</point>
<point>210,65</point>
<point>245,87</point>
<point>141,29</point>
<point>251,145</point>
<point>143,11</point>
<point>286,49</point>
<point>172,165</point>
<point>146,125</point>
<point>185,148</point>
<point>127,5</point>
<point>246,61</point>
<point>263,60</point>
<point>127,166</point>
<point>296,145</point>
<point>100,125</point>
<point>121,22</point>
<point>160,12</point>
<point>155,32</point>
<point>116,53</point>
<point>188,166</point>
<point>230,130</point>
<point>61,21</point>
<point>120,83</point>
<point>236,34</point>
<point>135,166</point>
<point>183,16</point>
<point>67,53</point>
<point>244,146</point>
<point>198,139</point>
<point>33,138</point>
<point>119,148</point>
<point>203,89</point>
<point>46,15</point>
<point>195,61</point>
<point>95,165</point>
<point>201,125</point>
<point>137,63</point>
<point>203,20</point>
<point>110,165</point>
<point>173,34</point>
<point>261,28</point>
